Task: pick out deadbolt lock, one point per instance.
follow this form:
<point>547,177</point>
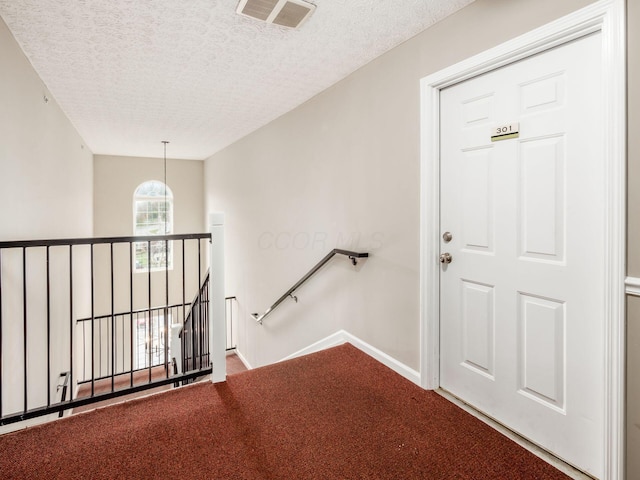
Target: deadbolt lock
<point>447,237</point>
<point>446,258</point>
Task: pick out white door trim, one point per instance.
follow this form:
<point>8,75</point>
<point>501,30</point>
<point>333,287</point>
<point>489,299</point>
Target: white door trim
<point>607,17</point>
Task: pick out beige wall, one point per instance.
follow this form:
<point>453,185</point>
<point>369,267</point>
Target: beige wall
<point>116,178</point>
<point>342,170</point>
<point>45,169</point>
<point>115,181</point>
<point>46,191</point>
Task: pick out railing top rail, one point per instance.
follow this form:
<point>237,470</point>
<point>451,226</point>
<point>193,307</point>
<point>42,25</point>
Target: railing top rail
<point>101,240</point>
<point>289,293</point>
<point>152,309</point>
<point>133,312</point>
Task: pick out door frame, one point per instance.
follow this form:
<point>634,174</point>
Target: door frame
<point>608,18</point>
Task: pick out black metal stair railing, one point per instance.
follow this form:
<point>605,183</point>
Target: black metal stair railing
<point>143,330</point>
<point>194,336</point>
<point>45,284</point>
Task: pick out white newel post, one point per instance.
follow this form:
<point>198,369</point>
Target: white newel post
<point>217,321</point>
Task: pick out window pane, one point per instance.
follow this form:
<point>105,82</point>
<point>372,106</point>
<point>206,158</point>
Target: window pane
<point>141,255</point>
<point>153,188</point>
<point>158,256</point>
<point>153,216</point>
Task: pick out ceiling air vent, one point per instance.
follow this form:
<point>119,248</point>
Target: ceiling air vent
<point>288,13</point>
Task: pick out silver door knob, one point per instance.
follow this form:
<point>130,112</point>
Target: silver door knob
<point>446,258</point>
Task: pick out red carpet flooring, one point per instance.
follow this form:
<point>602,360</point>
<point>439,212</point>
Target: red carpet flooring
<point>337,414</point>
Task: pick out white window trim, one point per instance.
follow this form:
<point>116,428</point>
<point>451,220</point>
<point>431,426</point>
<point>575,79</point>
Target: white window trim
<point>169,199</point>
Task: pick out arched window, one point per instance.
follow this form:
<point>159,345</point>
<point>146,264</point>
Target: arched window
<point>153,215</point>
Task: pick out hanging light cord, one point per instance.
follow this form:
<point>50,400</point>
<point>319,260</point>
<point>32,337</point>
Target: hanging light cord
<point>165,186</point>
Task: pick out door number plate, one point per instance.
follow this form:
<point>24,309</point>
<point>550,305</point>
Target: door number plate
<point>505,132</point>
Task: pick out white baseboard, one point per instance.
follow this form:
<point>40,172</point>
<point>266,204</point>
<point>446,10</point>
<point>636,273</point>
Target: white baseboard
<point>243,360</point>
<point>632,285</point>
<point>332,340</point>
<point>343,336</point>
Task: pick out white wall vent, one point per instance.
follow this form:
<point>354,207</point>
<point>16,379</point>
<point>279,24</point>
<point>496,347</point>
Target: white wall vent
<point>287,13</point>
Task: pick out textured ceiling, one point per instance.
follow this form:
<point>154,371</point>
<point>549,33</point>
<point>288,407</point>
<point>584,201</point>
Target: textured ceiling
<point>130,73</point>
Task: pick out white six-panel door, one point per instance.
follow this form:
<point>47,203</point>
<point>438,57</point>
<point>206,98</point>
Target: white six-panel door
<point>522,301</point>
